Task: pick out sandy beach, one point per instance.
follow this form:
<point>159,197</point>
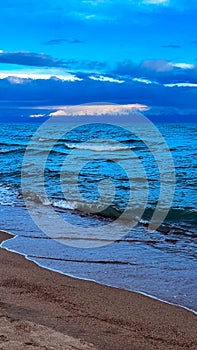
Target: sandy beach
<point>41,309</point>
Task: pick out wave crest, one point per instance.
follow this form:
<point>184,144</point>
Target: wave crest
<point>96,147</point>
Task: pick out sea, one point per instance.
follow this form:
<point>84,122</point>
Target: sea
<point>104,202</point>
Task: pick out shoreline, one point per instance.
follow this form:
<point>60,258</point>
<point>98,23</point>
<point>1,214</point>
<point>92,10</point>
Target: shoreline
<point>90,280</point>
<point>108,317</point>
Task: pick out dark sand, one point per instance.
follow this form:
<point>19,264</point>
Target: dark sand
<point>109,318</point>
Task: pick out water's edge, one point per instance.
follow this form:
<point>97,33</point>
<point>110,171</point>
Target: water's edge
<point>86,279</point>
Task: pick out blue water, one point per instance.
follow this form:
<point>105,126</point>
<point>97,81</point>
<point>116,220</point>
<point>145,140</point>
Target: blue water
<point>162,263</point>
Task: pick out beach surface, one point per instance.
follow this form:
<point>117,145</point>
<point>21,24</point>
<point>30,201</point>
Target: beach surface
<point>41,309</point>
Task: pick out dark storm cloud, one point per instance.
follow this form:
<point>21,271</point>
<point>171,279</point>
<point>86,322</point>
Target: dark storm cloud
<point>171,46</point>
<point>160,71</point>
<point>55,41</point>
<point>57,92</point>
<point>76,41</point>
<point>41,60</point>
<point>30,59</point>
<point>62,41</point>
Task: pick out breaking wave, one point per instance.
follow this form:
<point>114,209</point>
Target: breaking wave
<point>96,147</point>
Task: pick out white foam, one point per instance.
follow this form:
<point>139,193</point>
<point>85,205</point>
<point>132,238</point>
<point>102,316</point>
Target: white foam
<point>97,148</point>
<point>43,140</point>
<point>7,196</point>
<point>64,204</point>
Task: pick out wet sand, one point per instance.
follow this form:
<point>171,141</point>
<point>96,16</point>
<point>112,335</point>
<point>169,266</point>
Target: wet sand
<point>52,307</point>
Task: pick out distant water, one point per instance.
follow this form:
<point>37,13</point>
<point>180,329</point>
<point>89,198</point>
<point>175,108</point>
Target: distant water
<point>162,263</point>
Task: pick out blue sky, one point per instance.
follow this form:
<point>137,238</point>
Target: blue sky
<point>59,53</point>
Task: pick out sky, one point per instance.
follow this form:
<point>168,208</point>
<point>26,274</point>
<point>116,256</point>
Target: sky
<point>140,53</point>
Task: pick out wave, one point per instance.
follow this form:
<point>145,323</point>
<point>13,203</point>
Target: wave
<point>51,139</point>
<point>11,150</point>
<point>62,204</point>
<point>11,144</point>
<point>42,139</point>
<point>179,220</point>
<point>129,140</point>
<point>97,148</point>
<point>37,151</point>
<point>33,197</point>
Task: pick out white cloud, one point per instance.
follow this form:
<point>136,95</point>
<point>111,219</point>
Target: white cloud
<point>100,109</point>
<point>18,77</point>
<point>37,115</point>
<point>103,78</point>
<point>94,2</point>
<point>156,2</point>
<point>59,113</point>
<point>192,85</point>
<point>144,81</point>
<point>183,65</point>
<point>160,66</point>
<point>90,16</point>
<point>14,80</point>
